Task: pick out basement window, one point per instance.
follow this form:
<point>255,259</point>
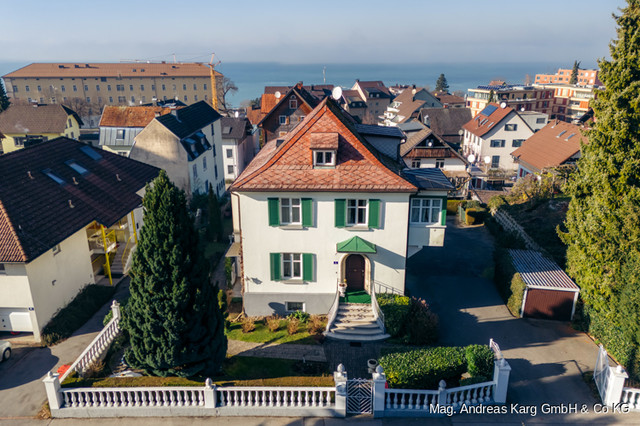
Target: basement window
<point>294,306</point>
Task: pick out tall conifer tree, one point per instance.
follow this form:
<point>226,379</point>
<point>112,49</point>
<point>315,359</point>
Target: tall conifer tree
<point>603,219</point>
<point>441,84</point>
<point>4,99</point>
<point>173,318</point>
<point>574,72</point>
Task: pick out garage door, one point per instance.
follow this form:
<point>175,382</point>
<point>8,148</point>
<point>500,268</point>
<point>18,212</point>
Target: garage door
<point>549,304</point>
<point>15,320</point>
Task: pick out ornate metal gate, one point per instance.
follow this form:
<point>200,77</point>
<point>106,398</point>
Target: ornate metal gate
<point>601,372</point>
<point>359,396</point>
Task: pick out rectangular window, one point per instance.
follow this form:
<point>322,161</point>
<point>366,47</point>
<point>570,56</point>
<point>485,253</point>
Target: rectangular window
<point>108,87</point>
<point>293,103</point>
<point>425,210</point>
<point>356,212</point>
<point>142,87</point>
<point>62,88</point>
<point>291,266</point>
<point>120,87</point>
<point>3,270</point>
<point>26,88</point>
<point>541,120</point>
<point>184,87</point>
<point>204,86</point>
<point>88,99</point>
<point>122,99</point>
<point>39,88</point>
<point>133,99</point>
<point>497,143</point>
<point>229,170</point>
<point>510,127</point>
<point>131,87</point>
<point>186,98</point>
<point>195,86</point>
<point>517,143</point>
<point>229,153</point>
<point>110,99</point>
<point>215,170</point>
<point>495,161</point>
<point>153,87</point>
<point>86,88</point>
<point>195,170</point>
<point>439,163</point>
<point>294,306</point>
<point>97,87</point>
<point>164,87</point>
<point>289,210</point>
<point>283,119</point>
<point>75,88</point>
<point>415,164</point>
<point>324,158</point>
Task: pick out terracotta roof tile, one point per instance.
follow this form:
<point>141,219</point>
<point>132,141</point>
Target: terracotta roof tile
<point>289,165</point>
<point>481,124</point>
<point>551,146</point>
<point>130,116</point>
<point>124,69</point>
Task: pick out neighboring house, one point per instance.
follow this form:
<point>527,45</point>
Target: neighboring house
<point>354,104</point>
<point>288,111</point>
<point>585,77</point>
<point>119,125</point>
<point>238,146</point>
<point>407,105</point>
<point>572,101</point>
<point>185,143</point>
<point>23,125</point>
<point>324,206</point>
<point>555,145</point>
<point>387,140</point>
<point>493,134</point>
<point>424,149</point>
<point>518,97</point>
<point>450,101</point>
<point>446,122</point>
<point>64,208</point>
<point>377,97</point>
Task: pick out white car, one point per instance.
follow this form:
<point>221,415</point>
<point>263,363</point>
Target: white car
<point>5,350</point>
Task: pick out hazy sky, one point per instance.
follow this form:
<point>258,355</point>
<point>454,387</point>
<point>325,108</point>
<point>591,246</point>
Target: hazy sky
<point>303,31</point>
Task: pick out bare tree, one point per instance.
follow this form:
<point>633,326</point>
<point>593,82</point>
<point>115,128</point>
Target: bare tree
<point>228,87</point>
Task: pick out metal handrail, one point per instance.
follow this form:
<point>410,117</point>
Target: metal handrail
<point>377,312</point>
<point>333,311</point>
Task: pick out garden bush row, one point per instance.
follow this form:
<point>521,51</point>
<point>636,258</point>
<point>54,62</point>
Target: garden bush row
<point>424,368</point>
<point>400,310</point>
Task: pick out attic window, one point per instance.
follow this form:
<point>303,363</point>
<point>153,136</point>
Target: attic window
<point>89,152</point>
<point>57,179</point>
<point>324,158</point>
<point>293,103</point>
<point>77,167</point>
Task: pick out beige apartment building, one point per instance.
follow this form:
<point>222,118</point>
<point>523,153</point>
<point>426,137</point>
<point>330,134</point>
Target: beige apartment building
<point>87,87</point>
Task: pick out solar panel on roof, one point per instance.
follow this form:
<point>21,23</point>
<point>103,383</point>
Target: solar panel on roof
<point>488,110</point>
<point>90,153</point>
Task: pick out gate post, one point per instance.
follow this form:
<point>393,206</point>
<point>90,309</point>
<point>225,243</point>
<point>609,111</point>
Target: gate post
<point>501,372</point>
<point>52,387</point>
<point>613,393</point>
<point>379,390</point>
<point>442,393</point>
<point>209,394</point>
<point>340,379</point>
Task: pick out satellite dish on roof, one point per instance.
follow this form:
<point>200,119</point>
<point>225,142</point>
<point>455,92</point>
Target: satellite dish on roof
<point>503,105</point>
<point>471,158</point>
<point>237,114</point>
<point>336,93</point>
<point>413,92</point>
<point>487,159</point>
<point>460,132</point>
<point>278,94</point>
<point>522,109</point>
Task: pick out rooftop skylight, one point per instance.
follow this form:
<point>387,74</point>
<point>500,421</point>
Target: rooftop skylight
<point>77,167</point>
<point>57,179</point>
<point>90,153</point>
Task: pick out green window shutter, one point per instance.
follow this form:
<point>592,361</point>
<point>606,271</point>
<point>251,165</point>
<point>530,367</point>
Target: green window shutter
<point>275,266</point>
<point>307,212</point>
<point>443,212</point>
<point>274,211</point>
<point>307,266</point>
<point>340,212</point>
<point>374,213</point>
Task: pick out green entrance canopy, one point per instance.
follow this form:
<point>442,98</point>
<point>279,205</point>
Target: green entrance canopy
<point>356,245</point>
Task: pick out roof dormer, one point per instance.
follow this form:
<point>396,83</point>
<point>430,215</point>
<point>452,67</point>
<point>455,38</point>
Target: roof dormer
<point>324,149</point>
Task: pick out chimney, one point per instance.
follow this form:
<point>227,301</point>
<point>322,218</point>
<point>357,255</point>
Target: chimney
<point>299,85</point>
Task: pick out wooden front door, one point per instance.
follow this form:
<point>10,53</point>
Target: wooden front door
<point>354,272</point>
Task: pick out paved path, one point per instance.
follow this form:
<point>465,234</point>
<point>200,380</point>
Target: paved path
<point>270,350</point>
<point>547,357</point>
<point>21,390</point>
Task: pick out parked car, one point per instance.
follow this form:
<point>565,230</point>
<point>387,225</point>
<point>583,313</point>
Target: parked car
<point>5,350</point>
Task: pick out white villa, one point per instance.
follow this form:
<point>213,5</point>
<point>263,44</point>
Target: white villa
<point>324,207</point>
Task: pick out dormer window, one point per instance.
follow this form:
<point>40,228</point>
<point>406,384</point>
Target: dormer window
<point>293,103</point>
<point>324,158</point>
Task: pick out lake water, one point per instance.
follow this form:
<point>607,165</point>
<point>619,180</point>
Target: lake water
<point>252,77</point>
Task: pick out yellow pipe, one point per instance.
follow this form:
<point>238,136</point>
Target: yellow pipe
<point>133,225</point>
<point>106,255</point>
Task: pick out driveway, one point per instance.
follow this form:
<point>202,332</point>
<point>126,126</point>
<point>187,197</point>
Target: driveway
<point>21,390</point>
<point>547,357</point>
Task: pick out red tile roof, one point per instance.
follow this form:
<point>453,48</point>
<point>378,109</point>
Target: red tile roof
<point>323,140</point>
<point>550,146</point>
<point>268,101</point>
<point>288,166</point>
<point>481,124</point>
<point>134,116</point>
<point>59,69</point>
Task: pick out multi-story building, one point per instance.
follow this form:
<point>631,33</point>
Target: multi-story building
<point>377,97</point>
<point>239,143</point>
<point>585,77</point>
<point>88,87</point>
<point>571,101</point>
<point>407,105</point>
<point>520,98</point>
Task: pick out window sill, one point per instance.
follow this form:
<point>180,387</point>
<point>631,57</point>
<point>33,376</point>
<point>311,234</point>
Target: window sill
<point>426,225</point>
<point>292,226</point>
<point>293,281</point>
<point>357,228</point>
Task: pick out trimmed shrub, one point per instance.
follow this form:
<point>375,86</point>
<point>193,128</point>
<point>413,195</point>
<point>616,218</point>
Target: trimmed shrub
<point>473,380</point>
<point>475,215</point>
<point>509,283</point>
<point>76,313</point>
<point>316,325</point>
<point>396,310</point>
<point>293,325</point>
<point>273,322</point>
<point>479,361</point>
<point>517,287</point>
<point>424,368</point>
<point>471,204</point>
<point>452,206</point>
<point>424,323</point>
<point>248,325</point>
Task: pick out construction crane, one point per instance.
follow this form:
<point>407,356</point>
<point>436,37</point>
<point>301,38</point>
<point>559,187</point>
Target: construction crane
<point>214,86</point>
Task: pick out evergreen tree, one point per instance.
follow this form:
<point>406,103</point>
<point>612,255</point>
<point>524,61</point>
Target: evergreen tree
<point>603,220</point>
<point>492,96</point>
<point>441,84</point>
<point>173,318</point>
<point>4,99</point>
<point>215,218</point>
<point>574,73</point>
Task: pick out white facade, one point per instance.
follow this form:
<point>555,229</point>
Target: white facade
<point>236,155</point>
<point>498,144</point>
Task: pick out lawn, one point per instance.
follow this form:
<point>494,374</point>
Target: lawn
<point>263,335</point>
<point>237,371</point>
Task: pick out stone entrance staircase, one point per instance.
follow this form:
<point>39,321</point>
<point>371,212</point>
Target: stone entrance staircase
<point>355,322</point>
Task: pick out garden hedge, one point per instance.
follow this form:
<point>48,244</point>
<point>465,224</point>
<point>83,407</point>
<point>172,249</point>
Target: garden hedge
<point>399,310</point>
<point>479,360</point>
